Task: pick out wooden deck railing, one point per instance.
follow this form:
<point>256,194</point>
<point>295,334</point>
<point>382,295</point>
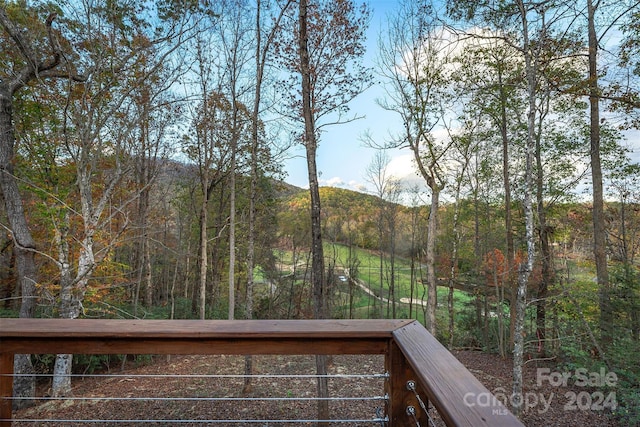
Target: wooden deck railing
<point>411,355</point>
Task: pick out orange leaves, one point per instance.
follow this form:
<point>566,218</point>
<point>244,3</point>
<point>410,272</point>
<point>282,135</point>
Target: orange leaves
<point>496,268</point>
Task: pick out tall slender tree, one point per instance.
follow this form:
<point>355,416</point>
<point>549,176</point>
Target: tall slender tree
<point>413,59</point>
<point>492,72</point>
<point>599,231</point>
<point>236,45</point>
<point>262,50</point>
<point>322,50</point>
<point>317,253</point>
<point>124,49</point>
<point>531,56</point>
<point>35,51</point>
<point>465,148</point>
<point>387,189</point>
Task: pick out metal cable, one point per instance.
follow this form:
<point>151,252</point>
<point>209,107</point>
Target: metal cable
<point>383,419</point>
<point>379,418</point>
<point>301,376</point>
<point>200,399</point>
<point>266,421</point>
<point>411,386</point>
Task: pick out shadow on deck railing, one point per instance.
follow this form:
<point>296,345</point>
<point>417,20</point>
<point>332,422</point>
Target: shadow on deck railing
<point>420,370</point>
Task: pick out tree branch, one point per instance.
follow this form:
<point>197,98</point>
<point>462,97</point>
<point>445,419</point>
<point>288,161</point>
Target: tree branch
<point>35,68</point>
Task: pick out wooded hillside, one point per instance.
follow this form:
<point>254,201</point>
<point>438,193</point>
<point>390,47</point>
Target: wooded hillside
<point>143,147</point>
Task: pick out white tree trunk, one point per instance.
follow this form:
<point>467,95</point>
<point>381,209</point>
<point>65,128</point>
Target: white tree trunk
<point>203,257</point>
<point>526,267</point>
<point>432,299</point>
<point>72,308</point>
<point>232,238</point>
<point>61,385</point>
<point>73,294</point>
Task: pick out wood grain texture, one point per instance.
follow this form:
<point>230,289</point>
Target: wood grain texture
<point>6,388</point>
<point>449,385</point>
<point>410,351</point>
<point>112,328</point>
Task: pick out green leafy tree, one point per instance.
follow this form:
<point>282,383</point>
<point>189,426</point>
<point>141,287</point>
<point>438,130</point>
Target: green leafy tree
<point>32,50</point>
<point>414,61</point>
<point>322,50</point>
<point>528,28</point>
<point>121,50</point>
<point>490,76</point>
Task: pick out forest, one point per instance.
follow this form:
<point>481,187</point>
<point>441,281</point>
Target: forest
<point>143,148</point>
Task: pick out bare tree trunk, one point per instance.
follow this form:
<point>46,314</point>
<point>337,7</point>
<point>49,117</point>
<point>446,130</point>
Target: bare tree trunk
<point>62,383</point>
<point>172,292</point>
<point>453,270</point>
<point>20,233</point>
<point>148,278</point>
<point>432,227</point>
<point>414,257</point>
<point>203,256</point>
<point>23,386</point>
<point>144,261</point>
<point>317,253</point>
<point>547,260</point>
<point>392,278</point>
<point>77,288</point>
<point>526,267</point>
<point>506,181</point>
<point>481,299</point>
<point>599,231</point>
<point>232,219</point>
<point>261,61</point>
<point>381,272</point>
<point>72,308</point>
<point>188,286</point>
<point>251,238</point>
<point>499,302</point>
<point>143,258</point>
<point>452,273</point>
<point>235,67</point>
<point>144,178</point>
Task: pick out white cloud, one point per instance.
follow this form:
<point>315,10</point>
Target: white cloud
<point>336,181</point>
<point>358,186</point>
<point>351,185</point>
<point>401,166</point>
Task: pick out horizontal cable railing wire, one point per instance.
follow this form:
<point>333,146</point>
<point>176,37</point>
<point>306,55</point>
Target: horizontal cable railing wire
<point>372,421</point>
<point>355,399</point>
<point>404,348</point>
<point>345,376</point>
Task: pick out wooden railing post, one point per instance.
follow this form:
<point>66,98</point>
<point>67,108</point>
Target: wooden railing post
<point>448,384</point>
<point>400,397</point>
<point>412,354</point>
<point>6,388</point>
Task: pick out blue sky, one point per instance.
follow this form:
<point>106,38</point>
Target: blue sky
<point>342,156</point>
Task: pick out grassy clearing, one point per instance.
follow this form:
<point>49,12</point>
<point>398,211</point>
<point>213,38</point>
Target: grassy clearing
<point>365,267</point>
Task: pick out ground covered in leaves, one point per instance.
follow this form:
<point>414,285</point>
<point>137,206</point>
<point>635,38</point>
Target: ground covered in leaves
<point>547,404</point>
<point>213,390</point>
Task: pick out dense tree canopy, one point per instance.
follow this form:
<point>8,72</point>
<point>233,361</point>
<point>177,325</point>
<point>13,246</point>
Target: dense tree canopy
<point>142,153</point>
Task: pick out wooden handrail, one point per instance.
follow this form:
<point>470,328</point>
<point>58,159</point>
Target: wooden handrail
<point>412,354</point>
<point>447,383</point>
<point>89,336</point>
